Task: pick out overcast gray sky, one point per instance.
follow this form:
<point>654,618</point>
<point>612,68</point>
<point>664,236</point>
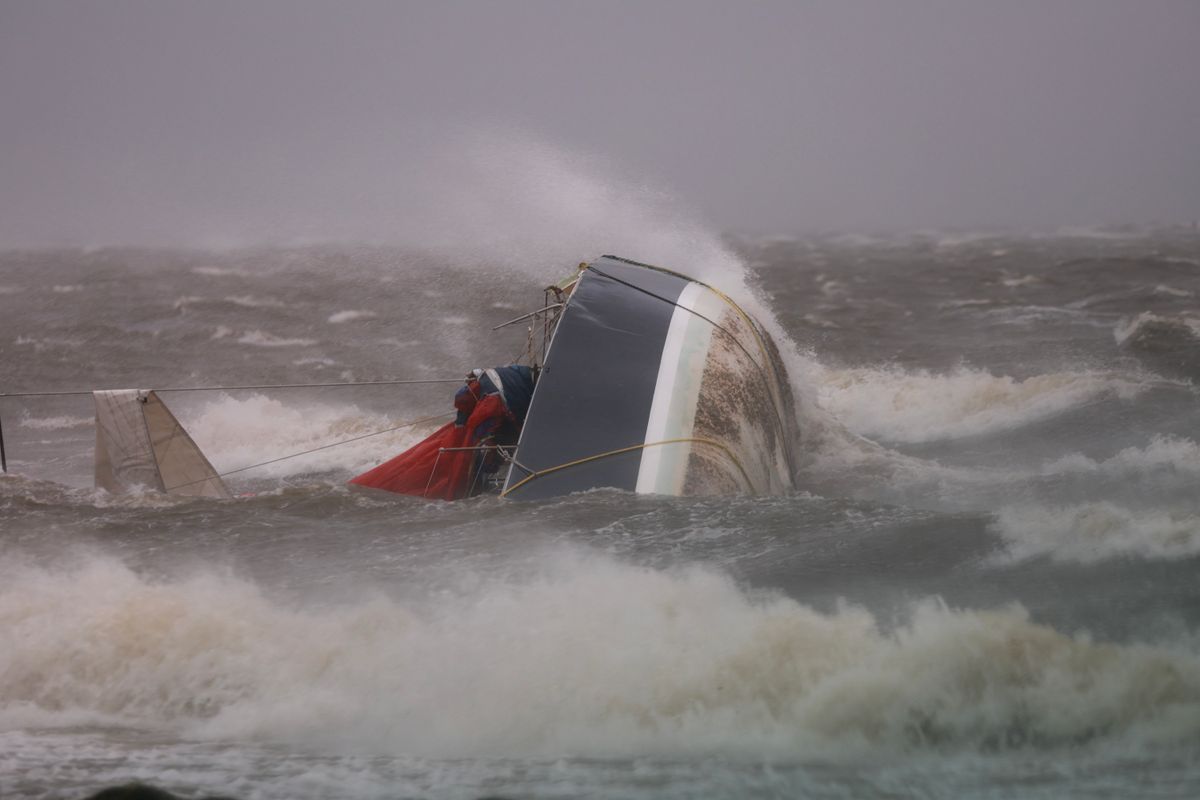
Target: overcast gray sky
<point>203,122</point>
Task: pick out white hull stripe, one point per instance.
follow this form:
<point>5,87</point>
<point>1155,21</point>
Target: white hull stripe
<point>673,410</point>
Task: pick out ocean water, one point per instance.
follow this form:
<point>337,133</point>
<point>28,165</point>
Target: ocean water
<point>985,587</point>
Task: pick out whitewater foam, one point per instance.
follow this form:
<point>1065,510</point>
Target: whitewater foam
<point>251,301</point>
<point>1171,291</point>
<point>339,317</point>
<point>1091,532</point>
<point>1164,454</point>
<point>589,657</point>
<point>41,345</point>
<point>236,432</point>
<point>61,422</point>
<point>260,338</point>
<point>899,405</point>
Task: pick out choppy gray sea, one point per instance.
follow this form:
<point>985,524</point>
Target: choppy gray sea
<point>986,587</point>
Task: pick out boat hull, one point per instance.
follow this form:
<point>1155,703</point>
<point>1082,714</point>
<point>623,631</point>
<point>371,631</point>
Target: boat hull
<point>655,383</point>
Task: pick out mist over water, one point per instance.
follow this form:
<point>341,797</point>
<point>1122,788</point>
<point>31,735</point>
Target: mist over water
<point>984,587</point>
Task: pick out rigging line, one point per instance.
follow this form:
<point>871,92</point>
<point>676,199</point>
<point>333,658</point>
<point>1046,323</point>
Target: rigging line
<point>234,388</point>
<point>670,302</point>
<point>526,316</point>
<point>316,449</point>
<point>715,290</point>
<point>760,367</point>
<point>432,472</point>
<point>534,474</point>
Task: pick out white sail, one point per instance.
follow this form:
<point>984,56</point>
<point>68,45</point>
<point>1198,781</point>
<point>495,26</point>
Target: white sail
<point>140,443</point>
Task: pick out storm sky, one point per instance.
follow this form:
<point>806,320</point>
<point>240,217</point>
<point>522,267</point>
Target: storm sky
<point>178,123</point>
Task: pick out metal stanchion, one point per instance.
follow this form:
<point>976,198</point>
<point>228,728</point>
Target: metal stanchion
<point>3,457</point>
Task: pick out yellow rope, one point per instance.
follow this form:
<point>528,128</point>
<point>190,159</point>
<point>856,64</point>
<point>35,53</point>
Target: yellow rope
<point>762,347</point>
<point>539,473</point>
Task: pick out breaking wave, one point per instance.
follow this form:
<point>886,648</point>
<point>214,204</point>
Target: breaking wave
<point>503,197</point>
<point>592,657</point>
<point>1091,532</point>
<point>1164,472</point>
<point>896,405</point>
<point>1158,331</point>
<point>1167,343</point>
<point>1164,454</point>
<point>237,432</point>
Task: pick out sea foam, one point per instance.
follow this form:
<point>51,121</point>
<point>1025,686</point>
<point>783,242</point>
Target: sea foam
<point>349,316</point>
<point>236,432</point>
<point>899,405</point>
<point>56,423</point>
<point>1168,454</point>
<point>264,339</point>
<point>1094,531</point>
<point>590,657</point>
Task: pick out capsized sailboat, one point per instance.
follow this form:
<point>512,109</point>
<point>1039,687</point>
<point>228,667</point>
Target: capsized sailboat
<point>646,381</point>
<point>651,382</point>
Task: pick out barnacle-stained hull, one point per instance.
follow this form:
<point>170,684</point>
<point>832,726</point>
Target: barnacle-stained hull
<point>655,383</point>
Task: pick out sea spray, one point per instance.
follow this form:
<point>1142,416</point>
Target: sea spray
<point>236,432</point>
<point>509,199</point>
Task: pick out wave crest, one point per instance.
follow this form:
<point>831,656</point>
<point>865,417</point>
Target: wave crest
<point>1091,532</point>
<point>920,406</point>
<point>592,657</point>
<point>236,432</point>
<point>1158,331</point>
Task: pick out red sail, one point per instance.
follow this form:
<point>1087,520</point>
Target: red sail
<point>425,470</point>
